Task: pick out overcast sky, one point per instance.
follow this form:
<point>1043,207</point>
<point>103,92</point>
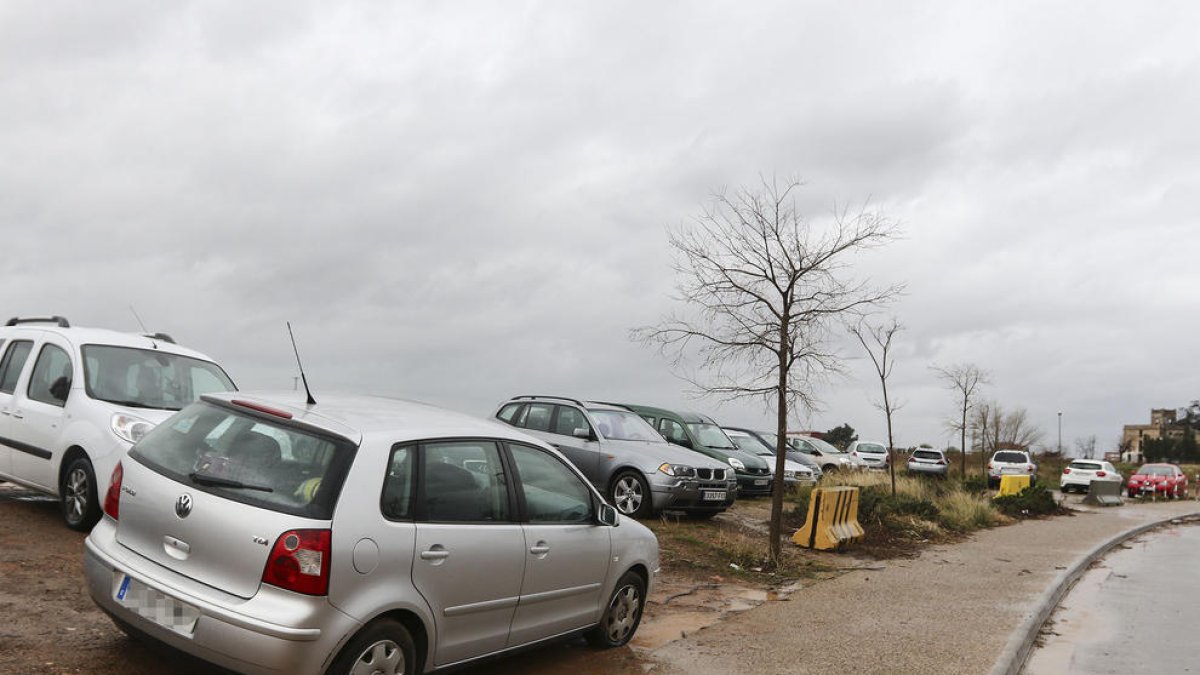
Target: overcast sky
<point>459,202</point>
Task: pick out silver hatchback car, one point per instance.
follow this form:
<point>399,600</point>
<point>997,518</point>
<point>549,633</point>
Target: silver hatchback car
<point>359,535</point>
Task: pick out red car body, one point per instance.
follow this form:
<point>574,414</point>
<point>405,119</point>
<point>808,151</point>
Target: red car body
<point>1167,480</point>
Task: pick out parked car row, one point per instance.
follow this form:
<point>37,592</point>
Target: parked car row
<point>275,533</point>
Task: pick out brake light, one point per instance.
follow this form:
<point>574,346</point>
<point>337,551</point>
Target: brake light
<point>989,466</point>
<point>1068,470</point>
<point>112,498</point>
<point>941,462</point>
<point>1100,474</point>
<point>263,409</point>
<point>299,562</point>
<point>1029,468</point>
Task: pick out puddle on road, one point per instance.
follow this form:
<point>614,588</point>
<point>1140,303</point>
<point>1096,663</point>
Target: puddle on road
<point>680,610</point>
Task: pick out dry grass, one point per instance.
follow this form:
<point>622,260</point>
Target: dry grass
<point>700,548</point>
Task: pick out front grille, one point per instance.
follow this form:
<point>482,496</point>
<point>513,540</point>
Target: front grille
<point>710,474</point>
<point>758,472</point>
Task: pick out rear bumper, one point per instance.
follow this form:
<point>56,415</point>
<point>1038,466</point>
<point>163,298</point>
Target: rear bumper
<point>933,469</point>
<point>298,635</point>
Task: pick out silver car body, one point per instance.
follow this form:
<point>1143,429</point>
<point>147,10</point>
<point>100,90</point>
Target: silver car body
<point>794,473</point>
<point>829,457</point>
<point>928,461</point>
<point>605,441</point>
<point>187,562</point>
<point>1011,463</point>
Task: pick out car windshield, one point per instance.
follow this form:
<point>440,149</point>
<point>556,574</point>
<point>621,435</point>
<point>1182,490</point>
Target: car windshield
<point>820,445</point>
<point>871,448</point>
<point>748,443</point>
<point>1011,457</point>
<point>622,425</point>
<point>1088,466</point>
<point>1156,471</point>
<point>711,436</point>
<point>148,378</point>
<point>248,459</point>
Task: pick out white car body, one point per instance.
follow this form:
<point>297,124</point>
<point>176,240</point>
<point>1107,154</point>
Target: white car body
<point>1080,474</point>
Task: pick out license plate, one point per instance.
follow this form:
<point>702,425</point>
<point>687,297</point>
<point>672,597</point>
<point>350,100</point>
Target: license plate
<point>762,481</point>
<point>713,495</point>
<point>153,604</point>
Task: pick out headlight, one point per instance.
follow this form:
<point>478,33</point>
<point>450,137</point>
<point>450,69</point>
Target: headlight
<point>679,470</point>
<point>129,428</point>
<point>737,464</point>
<point>789,474</point>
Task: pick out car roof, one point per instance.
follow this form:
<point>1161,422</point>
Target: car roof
<point>358,416</point>
<point>687,416</point>
<point>80,336</point>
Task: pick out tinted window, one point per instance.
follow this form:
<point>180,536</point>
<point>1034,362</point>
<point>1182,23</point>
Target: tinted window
<point>14,361</point>
<point>51,377</point>
<point>927,454</point>
<point>536,417</point>
<point>1011,457</point>
<point>672,430</point>
<point>568,420</point>
<point>249,459</point>
<point>872,448</point>
<point>1157,471</point>
<point>553,493</point>
<point>748,443</point>
<point>396,502</point>
<point>463,481</point>
<point>1089,466</point>
<point>148,378</point>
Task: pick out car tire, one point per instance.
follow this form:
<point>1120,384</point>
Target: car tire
<point>630,494</point>
<point>830,468</point>
<point>77,495</point>
<point>385,646</point>
<point>622,615</point>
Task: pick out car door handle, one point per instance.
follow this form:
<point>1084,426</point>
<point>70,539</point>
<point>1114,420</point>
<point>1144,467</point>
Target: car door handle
<point>17,415</point>
<point>540,548</point>
<point>555,445</point>
<point>435,553</point>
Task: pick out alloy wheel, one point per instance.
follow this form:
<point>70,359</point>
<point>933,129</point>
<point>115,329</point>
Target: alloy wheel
<point>381,658</point>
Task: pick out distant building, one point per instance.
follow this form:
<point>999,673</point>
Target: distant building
<point>1163,424</point>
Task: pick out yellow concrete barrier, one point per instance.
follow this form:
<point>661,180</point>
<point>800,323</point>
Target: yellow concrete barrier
<point>1014,485</point>
<point>832,520</point>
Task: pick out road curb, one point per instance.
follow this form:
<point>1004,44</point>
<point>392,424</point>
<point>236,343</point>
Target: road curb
<point>1020,644</point>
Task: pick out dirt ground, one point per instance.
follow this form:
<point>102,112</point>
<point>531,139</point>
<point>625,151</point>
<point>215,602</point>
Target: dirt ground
<point>51,626</point>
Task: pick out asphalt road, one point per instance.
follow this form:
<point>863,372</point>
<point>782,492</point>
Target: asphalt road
<point>1135,611</point>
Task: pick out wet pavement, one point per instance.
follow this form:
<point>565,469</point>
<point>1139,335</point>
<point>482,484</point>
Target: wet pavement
<point>1134,611</point>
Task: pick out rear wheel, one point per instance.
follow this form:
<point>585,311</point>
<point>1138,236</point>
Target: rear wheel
<point>623,614</point>
<point>631,495</point>
<point>77,495</point>
<point>382,648</point>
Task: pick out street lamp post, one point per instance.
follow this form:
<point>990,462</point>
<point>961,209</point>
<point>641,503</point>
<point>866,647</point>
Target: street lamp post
<point>1060,432</point>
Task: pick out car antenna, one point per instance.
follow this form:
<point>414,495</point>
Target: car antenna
<point>139,319</point>
<point>311,400</point>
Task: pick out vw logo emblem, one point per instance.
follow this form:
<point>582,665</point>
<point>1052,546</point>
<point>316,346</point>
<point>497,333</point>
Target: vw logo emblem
<point>183,505</point>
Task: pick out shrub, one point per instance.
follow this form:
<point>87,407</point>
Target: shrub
<point>965,512</point>
<point>976,483</point>
<point>1032,501</point>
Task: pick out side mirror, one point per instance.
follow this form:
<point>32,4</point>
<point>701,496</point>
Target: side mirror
<point>60,388</point>
<point>584,433</point>
<point>685,442</point>
<point>607,515</point>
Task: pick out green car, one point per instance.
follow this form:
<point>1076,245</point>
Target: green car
<point>700,433</point>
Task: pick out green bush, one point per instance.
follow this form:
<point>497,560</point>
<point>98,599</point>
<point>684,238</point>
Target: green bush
<point>975,483</point>
<point>1032,501</point>
<point>877,503</point>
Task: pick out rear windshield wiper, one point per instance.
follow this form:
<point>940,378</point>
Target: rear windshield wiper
<point>204,479</point>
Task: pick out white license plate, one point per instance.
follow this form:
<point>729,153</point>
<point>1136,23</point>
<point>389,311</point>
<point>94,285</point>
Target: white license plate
<point>713,495</point>
<point>762,481</point>
<point>152,604</point>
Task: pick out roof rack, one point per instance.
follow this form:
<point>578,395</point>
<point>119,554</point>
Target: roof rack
<point>160,336</point>
<point>60,320</point>
<point>557,398</point>
<point>622,406</point>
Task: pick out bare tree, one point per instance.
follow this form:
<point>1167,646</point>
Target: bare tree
<point>764,287</point>
<point>964,379</point>
<point>1001,429</point>
<point>1086,447</point>
<point>877,340</point>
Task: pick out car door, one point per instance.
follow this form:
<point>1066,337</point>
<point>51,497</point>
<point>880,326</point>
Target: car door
<point>566,435</point>
<point>567,549</point>
<point>37,425</point>
<point>469,555</point>
<point>12,365</point>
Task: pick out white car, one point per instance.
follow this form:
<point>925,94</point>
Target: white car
<point>73,400</point>
<point>1079,474</point>
<point>873,455</point>
<point>830,458</point>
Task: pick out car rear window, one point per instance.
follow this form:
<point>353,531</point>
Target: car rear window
<point>927,454</point>
<point>249,459</point>
<point>1012,457</point>
<point>1086,466</point>
<point>872,448</point>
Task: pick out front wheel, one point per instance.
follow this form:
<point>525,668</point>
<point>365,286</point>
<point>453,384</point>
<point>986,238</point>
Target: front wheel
<point>631,495</point>
<point>624,613</point>
<point>383,648</point>
<point>77,495</point>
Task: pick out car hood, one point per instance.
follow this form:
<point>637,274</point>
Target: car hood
<point>667,452</point>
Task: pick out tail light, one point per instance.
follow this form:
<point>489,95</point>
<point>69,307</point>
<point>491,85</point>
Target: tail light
<point>1101,474</point>
<point>299,562</point>
<point>989,466</point>
<point>112,498</point>
<point>1067,470</point>
<point>1029,468</point>
<point>941,462</point>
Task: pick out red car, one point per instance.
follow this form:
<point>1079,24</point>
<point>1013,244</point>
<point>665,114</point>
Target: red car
<point>1167,480</point>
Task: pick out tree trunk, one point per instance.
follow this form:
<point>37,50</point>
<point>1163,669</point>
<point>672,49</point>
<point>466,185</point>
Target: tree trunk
<point>776,530</point>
